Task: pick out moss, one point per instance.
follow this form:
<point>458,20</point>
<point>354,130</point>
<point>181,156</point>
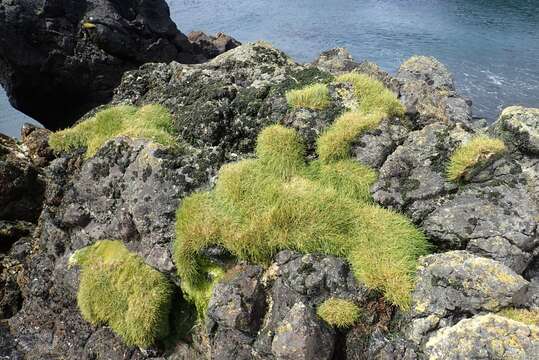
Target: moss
<point>477,151</point>
<point>529,317</point>
<point>372,96</point>
<point>279,201</point>
<point>152,122</point>
<point>315,96</point>
<point>118,289</point>
<point>339,312</point>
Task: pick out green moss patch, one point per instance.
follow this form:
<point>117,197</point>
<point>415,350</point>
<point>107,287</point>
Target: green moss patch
<point>339,312</point>
<point>475,152</point>
<point>151,122</point>
<point>315,96</point>
<point>279,201</point>
<point>118,289</point>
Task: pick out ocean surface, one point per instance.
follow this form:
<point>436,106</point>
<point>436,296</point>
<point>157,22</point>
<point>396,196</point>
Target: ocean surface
<point>491,46</point>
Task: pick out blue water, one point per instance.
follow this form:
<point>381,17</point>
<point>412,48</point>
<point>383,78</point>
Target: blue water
<point>491,46</point>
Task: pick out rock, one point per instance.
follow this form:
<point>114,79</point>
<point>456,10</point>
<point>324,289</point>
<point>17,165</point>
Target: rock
<point>374,146</point>
<point>520,126</point>
<point>457,281</point>
<point>21,184</point>
<point>235,312</point>
<point>301,335</point>
<point>8,348</point>
<point>494,214</point>
<point>336,61</point>
<point>428,93</point>
<point>36,142</point>
<point>60,59</point>
<point>308,280</point>
<point>428,70</point>
<point>129,191</point>
<point>485,337</point>
<point>212,46</point>
<point>453,285</point>
<point>225,102</point>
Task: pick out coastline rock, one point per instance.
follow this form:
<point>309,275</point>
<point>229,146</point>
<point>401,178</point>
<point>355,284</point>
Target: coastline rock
<point>212,46</point>
<point>520,126</point>
<point>428,93</point>
<point>59,59</point>
<point>485,337</point>
<point>36,142</point>
<point>21,184</point>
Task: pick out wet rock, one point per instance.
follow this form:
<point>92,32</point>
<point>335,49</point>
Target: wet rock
<point>485,337</point>
<point>520,126</point>
<point>302,335</point>
<point>212,46</point>
<point>428,93</point>
<point>60,59</point>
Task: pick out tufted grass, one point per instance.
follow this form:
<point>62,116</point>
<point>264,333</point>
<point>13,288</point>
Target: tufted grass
<point>279,201</point>
<point>374,103</point>
<point>315,96</point>
<point>118,289</point>
<point>529,317</point>
<point>335,142</point>
<point>372,96</point>
<point>339,312</point>
<point>151,122</point>
<point>471,154</point>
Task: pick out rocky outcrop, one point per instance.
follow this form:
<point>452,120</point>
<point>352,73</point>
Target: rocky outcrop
<point>59,59</point>
<point>428,92</point>
<point>484,230</point>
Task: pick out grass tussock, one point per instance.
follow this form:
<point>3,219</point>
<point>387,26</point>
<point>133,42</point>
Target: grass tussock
<point>529,317</point>
<point>118,289</point>
<point>339,312</point>
<point>374,103</point>
<point>372,96</point>
<point>279,201</point>
<point>478,150</point>
<point>335,143</point>
<point>151,122</point>
<point>315,96</point>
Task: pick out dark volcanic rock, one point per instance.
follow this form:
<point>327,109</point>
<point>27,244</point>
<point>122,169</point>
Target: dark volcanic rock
<point>21,185</point>
<point>211,46</point>
<point>59,59</point>
<point>36,142</point>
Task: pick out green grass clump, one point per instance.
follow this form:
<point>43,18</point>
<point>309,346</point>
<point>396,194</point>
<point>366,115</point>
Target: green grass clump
<point>118,289</point>
<point>372,96</point>
<point>374,103</point>
<point>315,96</point>
<point>471,154</point>
<point>279,201</point>
<point>335,143</point>
<point>339,312</point>
<point>529,317</point>
<point>152,122</point>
